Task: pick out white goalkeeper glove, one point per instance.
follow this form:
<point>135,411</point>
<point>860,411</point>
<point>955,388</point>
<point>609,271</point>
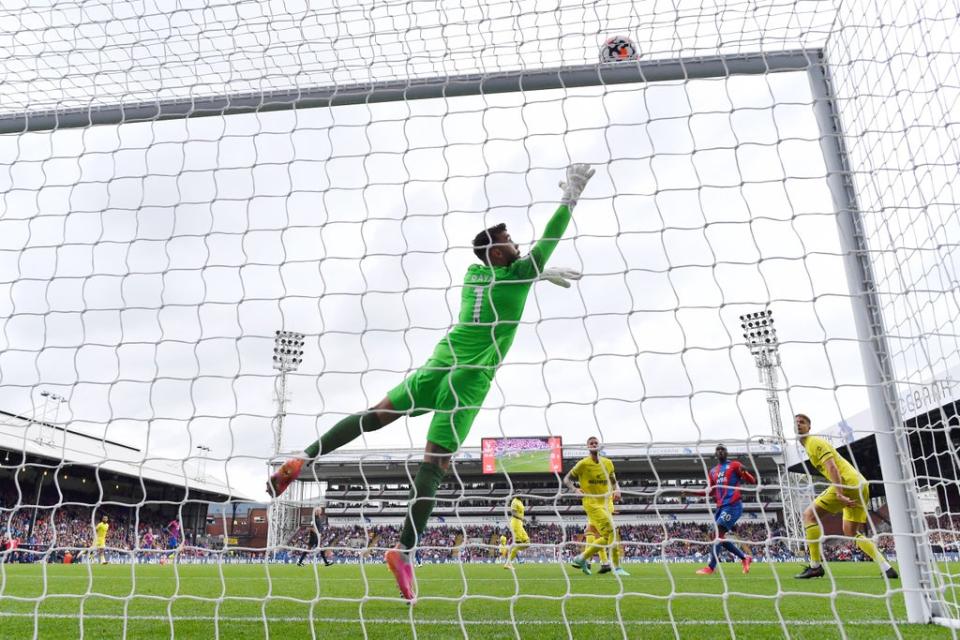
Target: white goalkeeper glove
<point>560,276</point>
<point>578,175</point>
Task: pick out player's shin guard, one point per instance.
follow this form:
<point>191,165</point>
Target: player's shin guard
<point>813,535</point>
<point>868,547</point>
<point>347,430</point>
<point>425,486</point>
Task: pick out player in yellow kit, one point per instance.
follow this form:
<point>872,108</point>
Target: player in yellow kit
<point>591,536</point>
<point>503,548</point>
<point>598,484</point>
<point>101,538</point>
<point>520,538</point>
<point>848,492</point>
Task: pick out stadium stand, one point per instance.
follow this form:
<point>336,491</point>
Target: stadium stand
<point>56,482</point>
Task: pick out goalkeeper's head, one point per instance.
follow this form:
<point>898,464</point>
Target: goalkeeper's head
<point>802,422</point>
<point>104,519</point>
<point>495,247</point>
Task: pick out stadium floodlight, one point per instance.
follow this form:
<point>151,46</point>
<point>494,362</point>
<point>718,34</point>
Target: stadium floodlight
<point>202,462</point>
<point>287,351</point>
<point>760,336</point>
<point>47,427</point>
<point>287,357</point>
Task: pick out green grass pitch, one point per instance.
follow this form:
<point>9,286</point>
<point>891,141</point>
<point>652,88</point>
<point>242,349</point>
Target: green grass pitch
<point>535,461</point>
<point>473,601</point>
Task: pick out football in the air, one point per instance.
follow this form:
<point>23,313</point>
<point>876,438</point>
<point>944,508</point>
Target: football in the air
<point>618,49</point>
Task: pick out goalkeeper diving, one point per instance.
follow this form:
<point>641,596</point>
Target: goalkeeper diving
<point>453,383</point>
<point>848,492</point>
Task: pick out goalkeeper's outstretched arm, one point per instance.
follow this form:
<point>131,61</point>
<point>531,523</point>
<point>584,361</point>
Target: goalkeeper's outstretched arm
<point>578,175</point>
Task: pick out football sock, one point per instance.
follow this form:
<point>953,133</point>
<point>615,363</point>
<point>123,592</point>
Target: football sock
<point>813,535</point>
<point>347,430</point>
<point>732,548</point>
<point>599,542</point>
<point>713,556</point>
<point>425,485</point>
<point>591,540</point>
<point>870,548</point>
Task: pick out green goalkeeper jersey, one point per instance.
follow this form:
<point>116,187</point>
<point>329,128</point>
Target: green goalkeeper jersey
<point>492,303</point>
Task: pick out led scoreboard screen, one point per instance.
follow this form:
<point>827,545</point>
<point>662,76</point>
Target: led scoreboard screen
<point>536,454</point>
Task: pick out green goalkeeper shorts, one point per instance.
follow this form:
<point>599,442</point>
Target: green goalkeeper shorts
<point>453,394</point>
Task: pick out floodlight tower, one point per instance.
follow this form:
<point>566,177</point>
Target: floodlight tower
<point>202,462</point>
<point>761,338</point>
<point>47,431</point>
<point>287,356</point>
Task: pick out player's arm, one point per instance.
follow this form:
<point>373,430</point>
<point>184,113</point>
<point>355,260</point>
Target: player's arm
<point>546,245</point>
<point>568,482</point>
<point>578,175</point>
<point>617,495</point>
<point>833,475</point>
<point>745,475</point>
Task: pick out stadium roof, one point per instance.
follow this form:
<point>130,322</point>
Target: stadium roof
<point>666,458</point>
<point>57,443</point>
<point>858,431</point>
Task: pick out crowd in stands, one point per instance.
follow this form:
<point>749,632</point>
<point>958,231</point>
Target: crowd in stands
<point>27,536</point>
<point>26,533</point>
<point>671,541</point>
<point>944,533</point>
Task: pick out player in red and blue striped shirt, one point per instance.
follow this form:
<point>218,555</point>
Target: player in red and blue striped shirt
<point>724,489</point>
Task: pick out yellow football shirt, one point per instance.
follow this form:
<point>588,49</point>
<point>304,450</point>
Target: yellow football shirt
<point>517,508</point>
<point>820,451</point>
<point>594,478</point>
<point>102,529</point>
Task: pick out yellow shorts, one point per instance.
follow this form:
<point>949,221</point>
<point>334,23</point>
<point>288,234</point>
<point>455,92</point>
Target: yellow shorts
<point>101,544</point>
<point>828,502</point>
<point>600,519</point>
<point>519,533</point>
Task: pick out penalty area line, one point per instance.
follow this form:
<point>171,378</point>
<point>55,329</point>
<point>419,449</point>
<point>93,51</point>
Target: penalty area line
<point>448,622</point>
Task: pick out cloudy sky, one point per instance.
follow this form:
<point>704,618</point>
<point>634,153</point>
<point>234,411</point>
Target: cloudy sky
<point>146,266</point>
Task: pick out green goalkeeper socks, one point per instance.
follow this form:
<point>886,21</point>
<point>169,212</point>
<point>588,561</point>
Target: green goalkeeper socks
<point>425,486</point>
<point>347,430</point>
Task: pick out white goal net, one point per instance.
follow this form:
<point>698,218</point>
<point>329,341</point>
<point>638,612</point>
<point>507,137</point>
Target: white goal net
<point>227,226</point>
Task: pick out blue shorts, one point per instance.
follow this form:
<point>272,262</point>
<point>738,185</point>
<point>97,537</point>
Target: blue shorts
<point>172,543</point>
<point>726,517</point>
